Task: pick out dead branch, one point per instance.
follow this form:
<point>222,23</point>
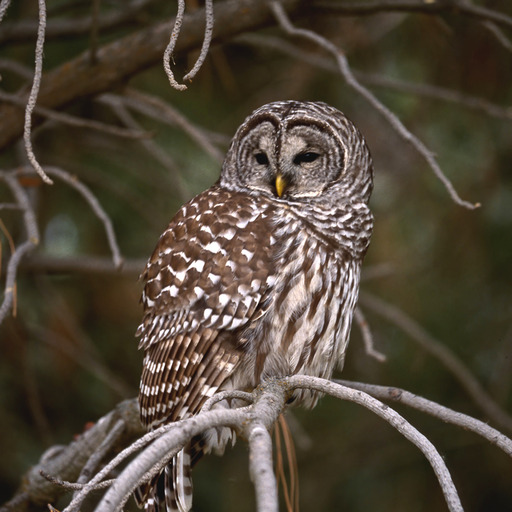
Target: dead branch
<point>26,247</point>
<point>367,7</point>
<point>69,461</point>
<point>351,80</point>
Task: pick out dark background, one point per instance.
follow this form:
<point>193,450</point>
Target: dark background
<point>69,355</point>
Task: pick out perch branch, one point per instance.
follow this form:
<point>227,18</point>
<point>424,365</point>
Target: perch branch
<point>395,420</point>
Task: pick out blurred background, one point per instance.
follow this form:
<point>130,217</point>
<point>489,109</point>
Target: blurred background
<point>68,353</point>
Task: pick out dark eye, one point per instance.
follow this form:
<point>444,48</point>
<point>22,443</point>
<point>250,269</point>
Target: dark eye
<point>261,158</point>
<point>305,158</point>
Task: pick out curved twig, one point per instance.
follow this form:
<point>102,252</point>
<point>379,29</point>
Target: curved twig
<point>96,207</point>
<point>170,47</point>
<point>208,31</point>
<point>367,336</point>
<point>25,248</point>
<point>4,5</point>
<point>351,80</point>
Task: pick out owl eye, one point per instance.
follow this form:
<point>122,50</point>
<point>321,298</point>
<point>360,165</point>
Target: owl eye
<point>261,158</point>
<point>305,158</point>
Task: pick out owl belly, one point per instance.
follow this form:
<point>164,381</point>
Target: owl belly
<point>307,326</point>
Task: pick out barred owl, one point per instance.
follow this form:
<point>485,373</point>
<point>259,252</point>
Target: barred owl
<point>257,277</point>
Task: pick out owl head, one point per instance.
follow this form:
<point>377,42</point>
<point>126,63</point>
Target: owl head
<point>299,151</point>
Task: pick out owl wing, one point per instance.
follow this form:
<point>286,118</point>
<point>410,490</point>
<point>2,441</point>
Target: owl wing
<point>205,281</point>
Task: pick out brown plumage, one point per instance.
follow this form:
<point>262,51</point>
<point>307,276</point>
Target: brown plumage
<point>256,277</point>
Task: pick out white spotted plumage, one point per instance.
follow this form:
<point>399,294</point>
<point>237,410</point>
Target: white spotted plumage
<point>257,277</point>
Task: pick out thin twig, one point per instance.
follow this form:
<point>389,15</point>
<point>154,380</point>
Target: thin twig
<point>367,336</point>
<point>96,207</point>
<point>72,486</point>
<point>499,35</point>
<point>25,248</point>
<point>98,455</point>
<point>443,354</point>
<point>32,99</point>
<point>227,395</point>
<point>159,109</point>
<point>208,31</point>
<point>170,47</point>
<point>4,5</point>
<point>445,414</point>
<point>350,79</point>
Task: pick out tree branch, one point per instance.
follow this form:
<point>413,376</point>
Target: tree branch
<point>441,352</point>
<point>120,60</point>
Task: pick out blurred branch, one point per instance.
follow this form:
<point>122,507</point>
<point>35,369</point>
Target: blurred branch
<point>461,7</point>
<point>172,174</point>
<point>81,265</point>
<point>23,30</point>
<point>78,122</point>
<point>351,80</point>
<point>119,60</point>
<point>26,247</point>
<point>393,84</point>
<point>158,109</point>
<point>441,352</point>
<point>96,207</point>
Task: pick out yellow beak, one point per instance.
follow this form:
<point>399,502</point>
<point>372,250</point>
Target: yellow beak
<point>280,185</point>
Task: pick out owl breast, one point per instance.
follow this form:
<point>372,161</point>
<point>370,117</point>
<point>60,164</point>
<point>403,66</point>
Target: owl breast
<point>306,324</point>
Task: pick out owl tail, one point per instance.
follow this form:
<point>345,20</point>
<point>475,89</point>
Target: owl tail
<point>171,491</point>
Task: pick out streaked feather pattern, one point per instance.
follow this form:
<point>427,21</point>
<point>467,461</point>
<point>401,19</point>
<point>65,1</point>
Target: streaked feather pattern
<point>250,281</point>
